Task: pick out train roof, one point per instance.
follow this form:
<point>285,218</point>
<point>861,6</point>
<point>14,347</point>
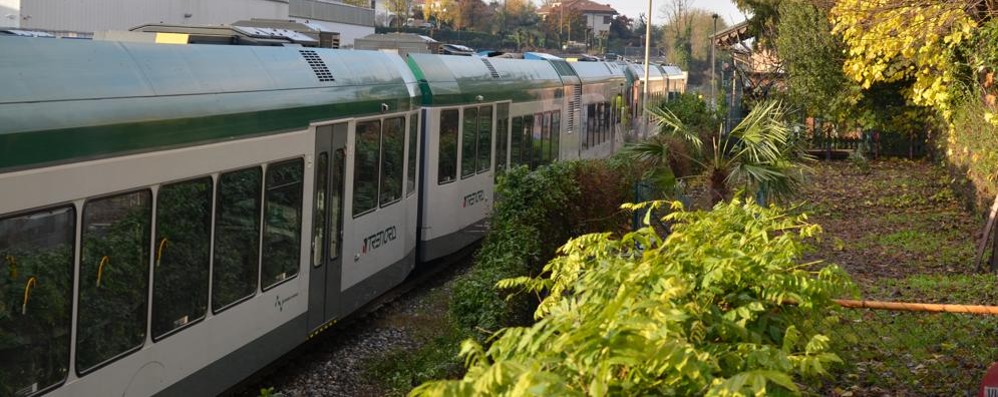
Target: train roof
<point>447,79</point>
<point>593,72</point>
<point>638,70</point>
<point>67,99</point>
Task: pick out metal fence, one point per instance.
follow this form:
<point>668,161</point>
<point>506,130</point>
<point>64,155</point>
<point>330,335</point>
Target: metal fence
<point>913,350</point>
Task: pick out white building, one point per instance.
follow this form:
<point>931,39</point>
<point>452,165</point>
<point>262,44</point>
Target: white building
<point>88,16</point>
<point>596,16</point>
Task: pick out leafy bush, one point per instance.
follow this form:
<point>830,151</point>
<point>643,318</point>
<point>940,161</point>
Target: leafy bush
<point>534,214</point>
<point>703,311</point>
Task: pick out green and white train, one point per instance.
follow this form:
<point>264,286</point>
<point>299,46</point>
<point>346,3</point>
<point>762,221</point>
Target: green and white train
<point>175,217</point>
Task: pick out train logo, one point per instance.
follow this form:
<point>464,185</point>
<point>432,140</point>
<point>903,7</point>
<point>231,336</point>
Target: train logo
<point>474,198</point>
<point>379,239</point>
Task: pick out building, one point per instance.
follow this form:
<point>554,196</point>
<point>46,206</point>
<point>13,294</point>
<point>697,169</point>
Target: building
<point>597,17</point>
<point>84,17</point>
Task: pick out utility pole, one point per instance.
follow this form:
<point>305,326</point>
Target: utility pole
<point>644,99</point>
<point>713,86</point>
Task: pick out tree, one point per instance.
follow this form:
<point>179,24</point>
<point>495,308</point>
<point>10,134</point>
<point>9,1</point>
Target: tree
<point>759,155</point>
<point>896,40</point>
<point>812,58</point>
<point>402,9</point>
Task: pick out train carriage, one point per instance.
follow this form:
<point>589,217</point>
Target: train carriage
<point>601,107</point>
<point>175,217</point>
<point>465,101</point>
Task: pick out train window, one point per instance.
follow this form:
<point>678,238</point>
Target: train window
<point>447,163</point>
<point>336,203</point>
<point>546,139</point>
<point>591,124</point>
<point>319,209</point>
<point>180,265</point>
<point>484,138</point>
<point>537,144</point>
<point>516,141</point>
<point>365,166</point>
<point>36,253</point>
<point>555,134</point>
<point>606,120</point>
<point>282,222</point>
<point>528,147</point>
<point>469,143</point>
<point>392,160</point>
<point>237,237</point>
<point>114,278</point>
<point>502,135</point>
<point>413,144</point>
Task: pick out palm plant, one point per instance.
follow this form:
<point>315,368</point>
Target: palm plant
<point>760,155</point>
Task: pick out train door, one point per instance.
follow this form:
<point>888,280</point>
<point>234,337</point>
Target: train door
<point>327,224</point>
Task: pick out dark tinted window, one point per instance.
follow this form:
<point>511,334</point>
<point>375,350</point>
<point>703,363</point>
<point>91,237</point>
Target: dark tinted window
<point>447,164</point>
<point>502,135</point>
<point>537,156</point>
<point>36,280</point>
<point>366,166</point>
<point>555,134</point>
<point>516,141</point>
<point>528,138</point>
<point>282,227</point>
<point>591,132</point>
<point>180,269</point>
<point>114,278</point>
<point>319,209</point>
<point>413,145</point>
<point>336,203</point>
<point>237,237</point>
<point>484,138</point>
<point>392,160</point>
<point>469,143</point>
<point>546,139</point>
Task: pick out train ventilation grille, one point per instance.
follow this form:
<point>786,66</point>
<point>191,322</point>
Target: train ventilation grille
<point>575,107</point>
<point>492,69</point>
<point>318,66</point>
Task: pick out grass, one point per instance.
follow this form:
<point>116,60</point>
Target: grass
<point>900,231</point>
<point>438,339</point>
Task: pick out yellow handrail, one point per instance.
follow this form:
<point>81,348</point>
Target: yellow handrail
<point>12,264</point>
<point>100,268</point>
<point>159,252</point>
<point>27,294</point>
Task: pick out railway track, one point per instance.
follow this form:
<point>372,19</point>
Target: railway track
<point>332,363</point>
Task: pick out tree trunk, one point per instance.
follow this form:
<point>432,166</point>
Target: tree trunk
<point>717,188</point>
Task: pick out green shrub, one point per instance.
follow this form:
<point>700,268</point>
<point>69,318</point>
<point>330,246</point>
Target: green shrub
<point>535,213</point>
<point>703,311</point>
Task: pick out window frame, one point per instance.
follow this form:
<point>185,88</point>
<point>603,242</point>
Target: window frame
<point>462,144</point>
<point>148,290</point>
<point>76,243</point>
<point>381,160</point>
<point>211,256</point>
<point>263,223</point>
<point>456,176</point>
<point>353,184</point>
<point>259,236</point>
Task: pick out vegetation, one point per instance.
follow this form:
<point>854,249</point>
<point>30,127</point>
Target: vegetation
<point>899,230</point>
<point>760,155</point>
<point>702,311</point>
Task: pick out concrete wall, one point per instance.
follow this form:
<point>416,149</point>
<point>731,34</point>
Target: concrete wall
<point>99,15</point>
<point>10,13</point>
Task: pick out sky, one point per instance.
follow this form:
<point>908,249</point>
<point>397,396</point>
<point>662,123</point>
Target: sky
<point>632,8</point>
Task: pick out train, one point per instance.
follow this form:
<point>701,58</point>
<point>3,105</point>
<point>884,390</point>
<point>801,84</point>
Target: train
<point>175,217</point>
